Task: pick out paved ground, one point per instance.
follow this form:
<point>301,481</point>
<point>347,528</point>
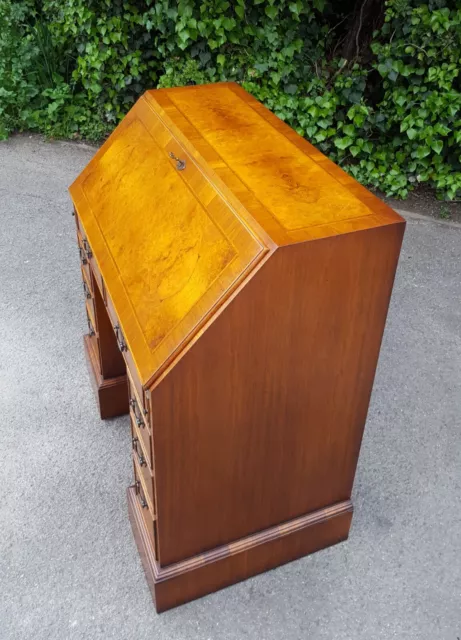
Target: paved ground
<point>68,563</point>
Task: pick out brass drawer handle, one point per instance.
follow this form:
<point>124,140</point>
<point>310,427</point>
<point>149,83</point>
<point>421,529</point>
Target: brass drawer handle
<point>120,339</point>
<point>86,290</point>
<point>87,248</point>
<point>83,258</point>
<point>180,164</point>
<point>137,485</point>
<point>141,458</point>
<point>134,406</point>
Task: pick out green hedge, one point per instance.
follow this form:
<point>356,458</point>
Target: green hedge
<point>374,85</point>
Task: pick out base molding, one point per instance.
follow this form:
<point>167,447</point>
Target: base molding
<point>111,393</point>
<point>208,572</point>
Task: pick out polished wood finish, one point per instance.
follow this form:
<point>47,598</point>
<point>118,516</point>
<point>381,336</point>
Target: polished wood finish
<point>274,394</point>
<point>111,394</point>
<point>242,281</point>
<point>233,563</point>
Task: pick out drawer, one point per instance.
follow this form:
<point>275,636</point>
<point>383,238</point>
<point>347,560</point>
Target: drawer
<point>87,284</point>
<point>84,260</point>
<point>143,471</point>
<point>90,321</point>
<point>93,342</point>
<point>122,345</point>
<point>141,432</point>
<point>149,518</point>
<point>87,288</point>
<point>87,259</point>
<point>90,315</point>
<point>138,407</point>
<point>88,295</point>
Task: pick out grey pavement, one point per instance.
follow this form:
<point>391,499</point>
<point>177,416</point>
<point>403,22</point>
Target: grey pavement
<point>68,563</point>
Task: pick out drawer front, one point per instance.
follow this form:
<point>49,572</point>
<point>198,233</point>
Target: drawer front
<point>141,432</point>
<point>139,407</point>
<point>143,470</point>
<point>90,315</point>
<point>87,258</point>
<point>123,346</point>
<point>149,518</point>
<point>84,259</point>
<point>90,321</point>
<point>87,286</point>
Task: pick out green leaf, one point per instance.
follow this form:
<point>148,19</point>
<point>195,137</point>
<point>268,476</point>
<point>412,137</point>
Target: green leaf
<point>437,146</point>
<point>422,151</point>
<point>411,133</point>
<point>271,12</point>
<point>349,130</point>
<point>343,143</point>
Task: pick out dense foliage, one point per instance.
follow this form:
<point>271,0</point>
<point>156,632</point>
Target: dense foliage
<point>375,85</point>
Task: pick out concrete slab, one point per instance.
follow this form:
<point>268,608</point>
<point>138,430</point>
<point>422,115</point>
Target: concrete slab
<point>68,563</point>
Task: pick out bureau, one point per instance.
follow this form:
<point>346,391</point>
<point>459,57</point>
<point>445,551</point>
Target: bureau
<point>236,285</point>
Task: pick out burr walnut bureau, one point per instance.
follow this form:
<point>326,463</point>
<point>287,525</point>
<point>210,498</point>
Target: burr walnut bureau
<point>236,284</point>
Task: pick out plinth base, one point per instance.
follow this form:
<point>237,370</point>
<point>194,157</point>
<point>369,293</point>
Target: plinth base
<point>111,393</point>
<point>197,576</point>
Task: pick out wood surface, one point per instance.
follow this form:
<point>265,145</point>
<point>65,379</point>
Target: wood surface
<point>245,294</point>
<point>229,564</point>
<point>262,418</point>
<point>258,185</point>
<point>112,393</point>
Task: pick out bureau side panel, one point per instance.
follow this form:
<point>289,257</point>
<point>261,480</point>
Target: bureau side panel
<point>261,420</point>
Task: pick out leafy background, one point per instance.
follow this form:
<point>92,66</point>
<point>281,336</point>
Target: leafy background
<point>374,84</point>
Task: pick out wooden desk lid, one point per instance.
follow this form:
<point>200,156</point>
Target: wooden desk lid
<point>172,240</point>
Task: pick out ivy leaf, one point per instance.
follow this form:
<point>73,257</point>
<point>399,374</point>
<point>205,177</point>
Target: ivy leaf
<point>411,133</point>
<point>349,129</point>
<point>421,152</point>
<point>343,143</point>
<point>240,11</point>
<point>437,146</point>
<point>271,12</point>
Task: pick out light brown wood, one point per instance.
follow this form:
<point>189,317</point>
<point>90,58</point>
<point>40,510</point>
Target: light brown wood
<point>246,280</point>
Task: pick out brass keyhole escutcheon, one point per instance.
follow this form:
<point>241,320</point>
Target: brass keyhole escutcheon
<point>180,164</point>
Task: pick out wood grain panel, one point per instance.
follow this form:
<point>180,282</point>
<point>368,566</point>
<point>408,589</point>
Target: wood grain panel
<point>262,418</point>
<point>298,196</point>
<point>181,247</point>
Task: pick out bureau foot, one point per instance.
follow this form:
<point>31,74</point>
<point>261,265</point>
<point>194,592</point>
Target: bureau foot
<point>111,393</point>
<point>203,574</point>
